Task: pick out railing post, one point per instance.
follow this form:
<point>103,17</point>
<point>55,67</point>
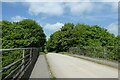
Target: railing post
<point>30,55</point>
<point>23,66</point>
<point>104,53</point>
<point>93,52</point>
<point>23,56</point>
<point>37,52</point>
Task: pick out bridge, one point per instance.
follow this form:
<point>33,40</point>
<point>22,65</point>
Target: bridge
<point>32,64</point>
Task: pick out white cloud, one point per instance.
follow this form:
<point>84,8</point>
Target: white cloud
<point>59,0</point>
<point>53,27</point>
<point>76,8</point>
<point>113,28</point>
<point>56,0</point>
<point>80,8</point>
<point>114,6</point>
<point>0,11</point>
<point>47,8</point>
<point>104,0</point>
<point>56,8</point>
<point>17,18</point>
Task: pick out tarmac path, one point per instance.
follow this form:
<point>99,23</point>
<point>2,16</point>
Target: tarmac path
<point>64,66</point>
<point>40,69</point>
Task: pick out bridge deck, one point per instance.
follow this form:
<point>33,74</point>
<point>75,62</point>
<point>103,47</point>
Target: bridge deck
<point>64,66</point>
<point>40,69</point>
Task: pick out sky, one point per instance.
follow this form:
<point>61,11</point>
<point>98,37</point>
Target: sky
<point>53,15</point>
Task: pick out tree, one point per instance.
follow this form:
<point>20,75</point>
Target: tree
<point>71,35</point>
<point>23,34</point>
<point>26,33</point>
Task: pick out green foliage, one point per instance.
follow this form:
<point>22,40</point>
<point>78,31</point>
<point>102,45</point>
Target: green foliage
<point>82,39</point>
<point>107,53</point>
<point>64,53</point>
<point>71,35</point>
<point>26,33</point>
<point>23,34</point>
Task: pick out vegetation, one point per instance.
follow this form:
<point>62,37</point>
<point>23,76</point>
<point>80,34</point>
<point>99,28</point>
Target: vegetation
<point>66,53</point>
<point>107,53</point>
<point>26,33</point>
<point>80,36</point>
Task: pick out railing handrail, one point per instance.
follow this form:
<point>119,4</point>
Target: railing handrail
<point>94,46</point>
<point>21,59</point>
<point>11,49</point>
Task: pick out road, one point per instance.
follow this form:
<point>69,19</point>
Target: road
<point>64,66</point>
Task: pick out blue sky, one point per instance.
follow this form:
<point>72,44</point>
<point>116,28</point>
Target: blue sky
<point>53,15</point>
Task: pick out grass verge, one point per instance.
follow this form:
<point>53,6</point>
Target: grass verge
<point>66,53</point>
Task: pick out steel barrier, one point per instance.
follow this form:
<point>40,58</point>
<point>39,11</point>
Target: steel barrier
<point>17,68</point>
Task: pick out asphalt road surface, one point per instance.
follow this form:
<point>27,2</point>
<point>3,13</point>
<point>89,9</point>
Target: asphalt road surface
<point>64,66</point>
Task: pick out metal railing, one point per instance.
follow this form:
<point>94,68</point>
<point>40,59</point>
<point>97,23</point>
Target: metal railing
<point>107,52</point>
<point>16,61</point>
<point>107,55</point>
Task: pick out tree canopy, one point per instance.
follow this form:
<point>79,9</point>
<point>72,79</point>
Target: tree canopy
<point>22,34</point>
<point>71,35</point>
<point>26,33</point>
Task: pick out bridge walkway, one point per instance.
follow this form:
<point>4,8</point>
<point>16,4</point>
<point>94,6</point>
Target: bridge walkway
<point>40,69</point>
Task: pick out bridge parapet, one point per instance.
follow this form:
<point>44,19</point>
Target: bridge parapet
<point>17,62</point>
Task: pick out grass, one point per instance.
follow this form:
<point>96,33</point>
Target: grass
<point>52,77</point>
<point>66,53</point>
<point>41,53</point>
